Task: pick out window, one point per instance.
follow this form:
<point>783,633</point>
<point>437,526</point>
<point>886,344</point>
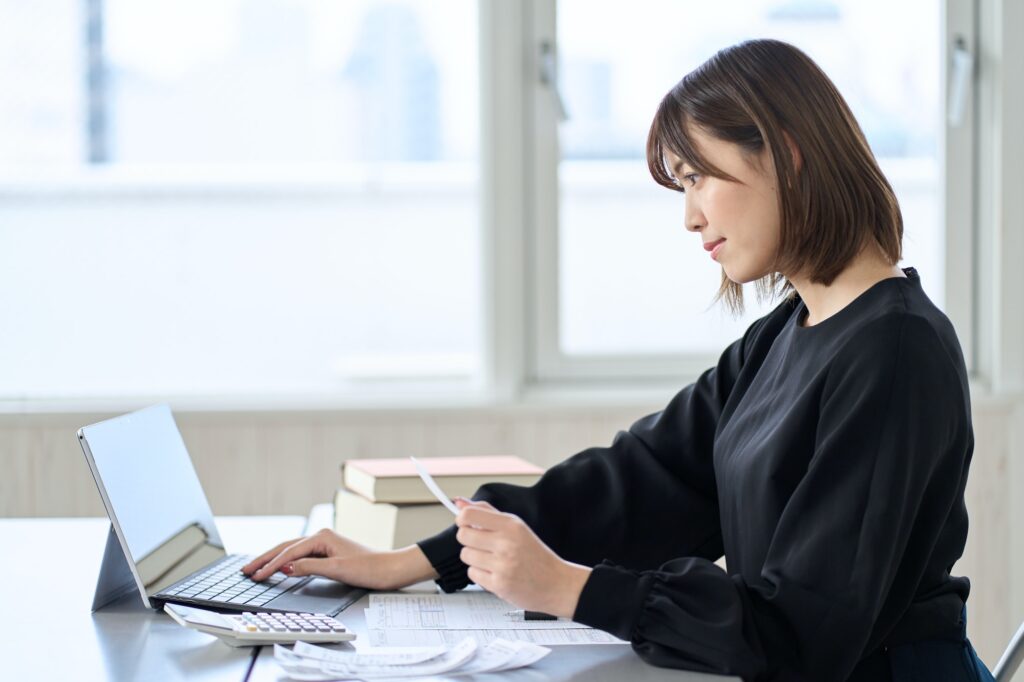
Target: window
<point>261,200</point>
<point>633,285</point>
<point>262,197</point>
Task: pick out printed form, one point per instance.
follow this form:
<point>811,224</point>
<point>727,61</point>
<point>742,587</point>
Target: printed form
<point>435,619</point>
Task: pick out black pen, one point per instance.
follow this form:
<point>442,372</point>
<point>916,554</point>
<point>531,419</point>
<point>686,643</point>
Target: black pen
<point>531,615</point>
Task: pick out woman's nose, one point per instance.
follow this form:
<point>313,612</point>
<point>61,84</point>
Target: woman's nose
<point>695,221</point>
<point>693,217</point>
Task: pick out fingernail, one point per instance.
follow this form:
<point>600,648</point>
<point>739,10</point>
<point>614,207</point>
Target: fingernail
<point>287,569</point>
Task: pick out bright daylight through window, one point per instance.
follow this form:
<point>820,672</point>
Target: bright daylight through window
<point>280,196</point>
<point>632,281</point>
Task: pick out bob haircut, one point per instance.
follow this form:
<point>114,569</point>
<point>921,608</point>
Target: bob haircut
<point>754,94</point>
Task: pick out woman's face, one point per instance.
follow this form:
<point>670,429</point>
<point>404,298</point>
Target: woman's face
<point>737,221</point>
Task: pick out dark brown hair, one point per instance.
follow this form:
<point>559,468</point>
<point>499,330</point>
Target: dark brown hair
<point>752,94</point>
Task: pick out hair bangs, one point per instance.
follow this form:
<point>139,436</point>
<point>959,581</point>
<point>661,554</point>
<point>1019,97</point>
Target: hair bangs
<point>671,132</point>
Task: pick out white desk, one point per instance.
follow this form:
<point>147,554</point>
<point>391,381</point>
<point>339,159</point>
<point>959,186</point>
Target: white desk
<point>47,631</point>
<point>586,662</point>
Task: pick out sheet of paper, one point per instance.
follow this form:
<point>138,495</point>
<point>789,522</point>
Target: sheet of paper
<point>434,487</point>
<point>552,637</point>
<point>527,653</point>
<point>458,611</point>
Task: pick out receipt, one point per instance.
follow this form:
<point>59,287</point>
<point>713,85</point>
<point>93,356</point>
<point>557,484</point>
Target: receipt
<point>434,487</point>
<point>356,658</point>
<point>309,662</point>
<point>303,667</point>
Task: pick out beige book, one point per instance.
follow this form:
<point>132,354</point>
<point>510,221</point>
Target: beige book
<point>396,480</point>
<point>381,525</point>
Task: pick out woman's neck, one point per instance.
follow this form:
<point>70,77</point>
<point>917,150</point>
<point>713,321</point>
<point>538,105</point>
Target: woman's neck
<point>824,301</point>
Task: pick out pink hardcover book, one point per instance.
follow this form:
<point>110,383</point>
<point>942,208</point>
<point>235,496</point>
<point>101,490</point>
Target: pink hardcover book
<point>395,480</point>
<point>446,466</point>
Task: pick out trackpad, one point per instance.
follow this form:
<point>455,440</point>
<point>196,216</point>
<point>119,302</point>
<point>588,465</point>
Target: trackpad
<point>319,595</point>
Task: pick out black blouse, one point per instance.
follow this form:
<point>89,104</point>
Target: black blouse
<point>827,464</point>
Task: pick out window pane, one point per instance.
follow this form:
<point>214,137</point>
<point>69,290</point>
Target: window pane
<point>632,280</point>
<point>292,80</point>
<point>289,207</point>
<point>42,98</point>
<point>247,296</point>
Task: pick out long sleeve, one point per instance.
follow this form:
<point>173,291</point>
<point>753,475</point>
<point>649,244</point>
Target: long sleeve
<point>851,543</point>
<point>625,501</point>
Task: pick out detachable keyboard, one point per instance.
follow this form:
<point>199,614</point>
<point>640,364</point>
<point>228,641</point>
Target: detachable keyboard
<point>224,583</point>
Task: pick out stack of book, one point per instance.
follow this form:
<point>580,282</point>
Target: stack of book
<point>384,504</point>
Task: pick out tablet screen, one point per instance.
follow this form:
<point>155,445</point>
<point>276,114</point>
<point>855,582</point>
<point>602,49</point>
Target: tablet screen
<point>152,493</point>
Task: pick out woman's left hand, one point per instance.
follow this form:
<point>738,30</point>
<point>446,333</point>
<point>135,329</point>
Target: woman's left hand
<point>506,557</point>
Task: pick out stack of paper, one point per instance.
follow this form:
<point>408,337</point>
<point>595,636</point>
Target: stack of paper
<point>443,620</point>
<point>310,662</point>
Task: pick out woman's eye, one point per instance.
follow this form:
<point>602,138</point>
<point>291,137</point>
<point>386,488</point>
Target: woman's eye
<point>690,179</point>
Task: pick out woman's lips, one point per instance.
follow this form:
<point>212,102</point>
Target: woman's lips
<point>714,247</point>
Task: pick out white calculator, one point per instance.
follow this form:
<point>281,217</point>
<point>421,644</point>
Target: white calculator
<point>255,629</point>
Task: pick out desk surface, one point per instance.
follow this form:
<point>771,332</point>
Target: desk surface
<point>48,631</point>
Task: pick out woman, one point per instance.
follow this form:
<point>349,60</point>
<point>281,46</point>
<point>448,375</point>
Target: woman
<point>825,456</point>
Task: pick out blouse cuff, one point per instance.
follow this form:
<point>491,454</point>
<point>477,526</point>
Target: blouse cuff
<point>612,599</point>
<point>442,550</point>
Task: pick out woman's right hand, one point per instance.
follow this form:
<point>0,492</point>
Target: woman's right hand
<point>334,556</point>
